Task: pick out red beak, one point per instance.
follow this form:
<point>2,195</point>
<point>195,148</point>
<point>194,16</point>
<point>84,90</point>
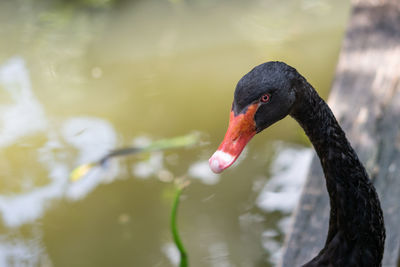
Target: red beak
<point>241,129</point>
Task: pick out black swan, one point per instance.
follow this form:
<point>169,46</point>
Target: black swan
<point>266,95</point>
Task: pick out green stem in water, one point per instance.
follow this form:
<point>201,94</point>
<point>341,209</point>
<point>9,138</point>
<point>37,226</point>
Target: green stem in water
<point>164,144</point>
<point>174,229</point>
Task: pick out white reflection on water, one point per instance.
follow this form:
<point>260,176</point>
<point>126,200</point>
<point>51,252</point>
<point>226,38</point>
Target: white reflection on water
<point>149,167</point>
<point>200,170</point>
<point>92,137</point>
<point>289,171</point>
<point>20,252</point>
<point>172,253</point>
<point>25,115</point>
<point>282,192</point>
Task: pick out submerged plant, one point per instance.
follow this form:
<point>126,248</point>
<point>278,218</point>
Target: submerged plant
<point>180,183</point>
<point>163,144</point>
<point>174,227</point>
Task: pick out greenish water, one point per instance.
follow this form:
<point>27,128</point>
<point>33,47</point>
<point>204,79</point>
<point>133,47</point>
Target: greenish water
<point>77,81</point>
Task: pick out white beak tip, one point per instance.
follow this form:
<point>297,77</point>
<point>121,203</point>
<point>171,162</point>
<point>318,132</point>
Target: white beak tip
<point>214,165</point>
<point>220,160</point>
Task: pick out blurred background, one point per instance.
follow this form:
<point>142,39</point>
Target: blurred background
<point>80,78</point>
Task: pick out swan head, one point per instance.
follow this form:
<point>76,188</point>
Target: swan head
<point>262,97</point>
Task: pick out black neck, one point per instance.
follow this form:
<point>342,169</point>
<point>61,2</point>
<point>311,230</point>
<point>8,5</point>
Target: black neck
<point>356,216</point>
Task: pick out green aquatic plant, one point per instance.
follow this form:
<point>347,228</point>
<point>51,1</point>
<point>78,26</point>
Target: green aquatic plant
<point>163,144</point>
<point>174,227</point>
<point>181,184</point>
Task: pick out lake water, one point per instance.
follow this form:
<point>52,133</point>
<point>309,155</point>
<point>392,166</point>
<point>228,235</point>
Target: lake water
<point>80,78</point>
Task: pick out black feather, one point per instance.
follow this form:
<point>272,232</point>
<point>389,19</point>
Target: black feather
<point>356,233</point>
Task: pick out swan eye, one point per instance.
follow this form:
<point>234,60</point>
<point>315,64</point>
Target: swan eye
<point>265,98</point>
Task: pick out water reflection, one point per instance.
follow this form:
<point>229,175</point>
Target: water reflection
<point>20,250</point>
<point>91,137</point>
<point>19,253</point>
<point>201,171</point>
<point>282,192</point>
<point>288,173</point>
<point>172,253</point>
<point>149,167</point>
<point>24,115</point>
